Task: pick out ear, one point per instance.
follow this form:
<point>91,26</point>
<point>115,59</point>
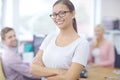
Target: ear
<point>73,14</point>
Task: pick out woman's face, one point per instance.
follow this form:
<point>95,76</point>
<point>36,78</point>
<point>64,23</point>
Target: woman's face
<point>62,16</point>
<point>99,33</point>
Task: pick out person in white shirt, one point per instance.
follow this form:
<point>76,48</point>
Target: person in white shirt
<point>62,56</point>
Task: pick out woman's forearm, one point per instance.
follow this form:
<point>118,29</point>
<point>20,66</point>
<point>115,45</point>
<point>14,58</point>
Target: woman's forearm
<point>71,74</point>
<point>42,71</point>
<point>58,77</point>
<point>61,77</point>
<point>38,68</point>
<point>45,72</point>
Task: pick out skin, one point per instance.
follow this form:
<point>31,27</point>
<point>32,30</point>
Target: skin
<point>99,33</point>
<point>66,36</point>
<point>10,39</point>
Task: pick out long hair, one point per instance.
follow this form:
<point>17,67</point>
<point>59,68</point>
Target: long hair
<point>71,7</point>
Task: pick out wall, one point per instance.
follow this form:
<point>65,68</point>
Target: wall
<point>110,9</point>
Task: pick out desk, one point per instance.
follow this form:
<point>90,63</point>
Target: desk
<point>99,73</point>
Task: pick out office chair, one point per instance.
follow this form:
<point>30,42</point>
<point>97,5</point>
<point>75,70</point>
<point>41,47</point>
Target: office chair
<point>117,59</point>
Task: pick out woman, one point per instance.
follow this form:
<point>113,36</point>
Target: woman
<point>102,50</point>
<point>62,56</point>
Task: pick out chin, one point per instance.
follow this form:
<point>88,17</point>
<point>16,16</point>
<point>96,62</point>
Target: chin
<point>15,45</point>
<point>61,26</point>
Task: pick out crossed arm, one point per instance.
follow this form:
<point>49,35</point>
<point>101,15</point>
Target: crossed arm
<point>38,68</point>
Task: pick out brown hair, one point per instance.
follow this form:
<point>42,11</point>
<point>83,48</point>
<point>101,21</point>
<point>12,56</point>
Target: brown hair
<point>4,31</point>
<point>71,7</point>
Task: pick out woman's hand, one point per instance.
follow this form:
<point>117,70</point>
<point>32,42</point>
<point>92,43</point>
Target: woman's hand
<point>36,60</point>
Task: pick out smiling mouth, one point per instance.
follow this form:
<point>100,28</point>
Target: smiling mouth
<point>59,23</point>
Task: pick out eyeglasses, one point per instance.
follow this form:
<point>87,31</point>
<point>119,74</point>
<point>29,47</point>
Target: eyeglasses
<point>60,14</point>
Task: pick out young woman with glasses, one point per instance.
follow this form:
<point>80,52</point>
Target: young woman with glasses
<point>62,56</point>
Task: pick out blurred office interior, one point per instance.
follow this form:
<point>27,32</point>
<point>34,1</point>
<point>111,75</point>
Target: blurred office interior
<point>31,21</point>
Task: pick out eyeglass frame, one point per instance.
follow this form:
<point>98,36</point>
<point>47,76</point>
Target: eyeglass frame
<point>54,15</point>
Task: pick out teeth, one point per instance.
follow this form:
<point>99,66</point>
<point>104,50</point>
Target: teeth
<point>59,22</point>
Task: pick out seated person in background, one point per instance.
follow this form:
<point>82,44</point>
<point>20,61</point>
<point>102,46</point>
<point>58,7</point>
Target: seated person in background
<point>101,50</point>
<point>13,66</point>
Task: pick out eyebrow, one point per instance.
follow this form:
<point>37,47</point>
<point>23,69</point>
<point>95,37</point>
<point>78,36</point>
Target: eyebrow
<point>60,10</point>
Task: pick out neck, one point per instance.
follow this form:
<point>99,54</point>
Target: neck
<point>11,48</point>
<point>68,31</point>
<point>100,39</point>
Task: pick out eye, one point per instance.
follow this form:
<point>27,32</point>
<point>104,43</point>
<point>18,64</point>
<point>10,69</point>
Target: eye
<point>62,12</point>
<point>9,37</point>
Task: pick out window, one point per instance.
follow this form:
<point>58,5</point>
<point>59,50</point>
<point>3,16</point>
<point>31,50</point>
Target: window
<point>34,16</point>
<point>0,13</point>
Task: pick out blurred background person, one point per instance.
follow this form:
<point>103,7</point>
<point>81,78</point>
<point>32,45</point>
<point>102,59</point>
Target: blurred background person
<point>13,66</point>
<point>101,49</point>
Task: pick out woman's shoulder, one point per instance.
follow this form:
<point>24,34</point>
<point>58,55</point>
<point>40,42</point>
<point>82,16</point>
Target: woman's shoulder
<point>108,42</point>
<point>83,40</point>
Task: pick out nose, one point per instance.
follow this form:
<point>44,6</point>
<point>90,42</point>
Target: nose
<point>58,17</point>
